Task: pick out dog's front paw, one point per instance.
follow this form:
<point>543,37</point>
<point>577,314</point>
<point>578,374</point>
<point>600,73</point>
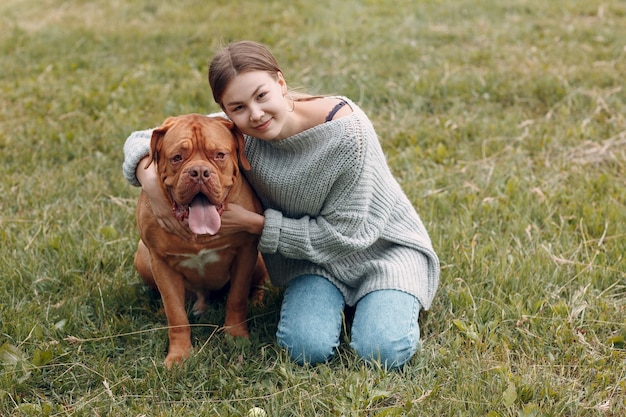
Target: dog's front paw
<point>175,357</point>
<point>237,330</point>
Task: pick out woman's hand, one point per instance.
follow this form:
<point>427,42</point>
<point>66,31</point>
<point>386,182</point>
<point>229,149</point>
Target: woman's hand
<point>235,218</point>
<point>161,208</point>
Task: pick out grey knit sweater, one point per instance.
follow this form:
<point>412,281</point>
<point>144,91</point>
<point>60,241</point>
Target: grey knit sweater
<point>332,208</point>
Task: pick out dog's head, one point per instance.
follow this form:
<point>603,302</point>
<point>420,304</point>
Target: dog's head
<point>198,159</point>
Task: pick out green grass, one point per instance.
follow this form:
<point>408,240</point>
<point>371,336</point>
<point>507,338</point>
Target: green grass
<point>503,121</point>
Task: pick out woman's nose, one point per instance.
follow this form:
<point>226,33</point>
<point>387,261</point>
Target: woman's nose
<point>256,113</point>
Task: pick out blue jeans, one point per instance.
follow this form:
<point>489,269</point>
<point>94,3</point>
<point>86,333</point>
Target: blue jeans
<point>384,328</point>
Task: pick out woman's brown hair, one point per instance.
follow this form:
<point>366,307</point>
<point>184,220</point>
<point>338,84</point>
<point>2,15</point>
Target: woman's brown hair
<point>237,58</point>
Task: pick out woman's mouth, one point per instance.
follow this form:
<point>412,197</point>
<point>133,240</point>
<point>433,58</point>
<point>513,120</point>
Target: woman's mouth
<point>263,126</point>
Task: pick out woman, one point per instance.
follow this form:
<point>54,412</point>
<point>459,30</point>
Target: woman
<point>336,230</point>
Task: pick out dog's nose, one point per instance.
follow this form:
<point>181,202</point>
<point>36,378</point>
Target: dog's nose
<point>199,172</point>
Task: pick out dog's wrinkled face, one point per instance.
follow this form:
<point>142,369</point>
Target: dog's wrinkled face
<point>197,160</point>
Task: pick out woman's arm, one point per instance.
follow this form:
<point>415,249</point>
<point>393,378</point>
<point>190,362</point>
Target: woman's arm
<point>136,148</point>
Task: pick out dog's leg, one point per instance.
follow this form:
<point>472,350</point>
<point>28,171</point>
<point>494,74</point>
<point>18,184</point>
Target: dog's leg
<point>172,288</point>
<point>237,301</point>
<point>142,264</point>
<point>257,286</point>
<point>199,307</point>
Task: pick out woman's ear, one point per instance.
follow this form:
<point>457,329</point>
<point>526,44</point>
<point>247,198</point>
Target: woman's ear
<point>281,81</point>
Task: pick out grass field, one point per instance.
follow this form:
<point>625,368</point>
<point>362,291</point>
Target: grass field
<point>504,121</point>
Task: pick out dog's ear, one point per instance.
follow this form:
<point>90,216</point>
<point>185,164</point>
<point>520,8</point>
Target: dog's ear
<point>241,144</point>
<point>241,147</point>
<point>157,136</point>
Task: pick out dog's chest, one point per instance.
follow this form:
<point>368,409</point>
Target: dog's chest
<point>203,261</point>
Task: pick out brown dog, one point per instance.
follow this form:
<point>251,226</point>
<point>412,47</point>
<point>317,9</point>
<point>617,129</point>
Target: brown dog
<point>197,161</point>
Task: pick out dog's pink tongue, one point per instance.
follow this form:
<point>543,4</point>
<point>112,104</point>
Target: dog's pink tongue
<point>203,216</point>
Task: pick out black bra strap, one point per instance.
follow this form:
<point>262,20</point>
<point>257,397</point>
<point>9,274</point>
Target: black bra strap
<point>335,109</point>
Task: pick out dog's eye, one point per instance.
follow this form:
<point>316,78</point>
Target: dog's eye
<point>220,156</point>
<point>177,158</point>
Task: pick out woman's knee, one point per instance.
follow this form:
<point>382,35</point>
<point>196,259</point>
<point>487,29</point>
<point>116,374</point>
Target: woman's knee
<point>388,353</point>
<point>385,328</point>
<point>310,320</point>
<point>307,350</point>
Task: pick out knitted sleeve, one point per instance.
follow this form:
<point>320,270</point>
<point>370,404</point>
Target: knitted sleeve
<point>136,147</point>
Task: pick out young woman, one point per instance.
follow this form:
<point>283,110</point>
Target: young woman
<point>336,230</point>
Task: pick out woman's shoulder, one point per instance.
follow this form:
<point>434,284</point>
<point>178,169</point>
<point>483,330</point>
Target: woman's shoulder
<point>322,109</point>
<point>345,119</point>
<point>338,107</point>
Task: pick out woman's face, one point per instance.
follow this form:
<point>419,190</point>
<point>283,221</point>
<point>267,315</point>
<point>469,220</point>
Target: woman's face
<point>255,102</point>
